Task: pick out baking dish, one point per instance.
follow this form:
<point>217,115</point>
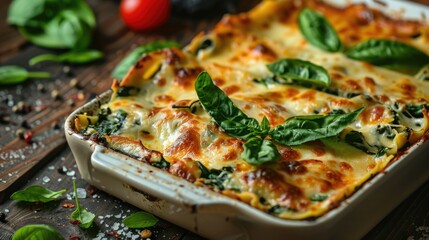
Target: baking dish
<point>218,217</point>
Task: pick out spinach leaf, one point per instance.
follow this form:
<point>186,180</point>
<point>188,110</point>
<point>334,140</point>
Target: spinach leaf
<point>140,220</point>
<point>259,151</point>
<point>318,31</point>
<point>386,52</point>
<point>37,232</point>
<point>15,75</point>
<point>215,177</point>
<point>162,164</point>
<point>54,24</point>
<point>76,57</point>
<point>110,123</point>
<point>122,68</point>
<point>84,217</point>
<point>414,111</point>
<point>37,194</point>
<point>302,72</point>
<point>357,140</point>
<point>300,129</point>
<point>277,209</point>
<point>223,111</point>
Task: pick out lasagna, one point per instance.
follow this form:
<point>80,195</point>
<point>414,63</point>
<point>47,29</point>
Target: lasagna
<point>289,107</point>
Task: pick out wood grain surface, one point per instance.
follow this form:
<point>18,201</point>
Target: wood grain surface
<point>47,160</point>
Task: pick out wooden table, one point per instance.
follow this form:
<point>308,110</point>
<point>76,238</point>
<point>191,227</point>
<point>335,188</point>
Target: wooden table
<point>48,161</point>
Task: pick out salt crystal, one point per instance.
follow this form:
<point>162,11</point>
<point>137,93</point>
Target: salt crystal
<point>118,215</point>
<point>6,210</point>
<point>51,167</point>
<point>59,179</point>
<point>81,193</point>
<point>106,225</point>
<point>46,179</point>
<point>69,196</point>
<point>94,196</point>
<point>115,226</point>
<point>108,216</point>
<point>100,217</point>
<point>9,174</point>
<point>70,173</point>
<point>134,237</point>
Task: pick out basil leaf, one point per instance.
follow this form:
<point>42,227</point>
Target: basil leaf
<point>388,52</point>
<point>258,151</point>
<point>124,66</point>
<point>140,220</point>
<point>318,31</point>
<point>265,127</point>
<point>223,111</point>
<point>37,232</point>
<point>302,72</point>
<point>300,129</point>
<point>36,194</point>
<point>84,217</point>
<point>15,75</point>
<point>76,57</point>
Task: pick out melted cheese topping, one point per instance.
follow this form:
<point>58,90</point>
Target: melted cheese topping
<point>309,179</point>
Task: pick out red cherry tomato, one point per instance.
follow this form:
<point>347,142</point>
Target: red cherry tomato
<point>144,14</point>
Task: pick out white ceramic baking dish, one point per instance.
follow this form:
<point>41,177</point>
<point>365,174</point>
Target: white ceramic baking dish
<point>218,217</point>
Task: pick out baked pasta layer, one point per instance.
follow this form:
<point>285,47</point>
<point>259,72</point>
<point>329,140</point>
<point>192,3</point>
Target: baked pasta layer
<point>157,115</point>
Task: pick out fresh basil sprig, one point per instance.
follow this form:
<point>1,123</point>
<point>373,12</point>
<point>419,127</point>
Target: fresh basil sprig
<point>84,217</point>
<point>37,194</point>
<point>37,231</point>
<point>140,220</point>
<point>53,23</point>
<point>318,31</point>
<point>385,52</point>
<point>300,129</point>
<point>235,122</point>
<point>75,57</point>
<point>300,71</point>
<point>15,75</point>
<point>258,150</point>
<point>122,68</point>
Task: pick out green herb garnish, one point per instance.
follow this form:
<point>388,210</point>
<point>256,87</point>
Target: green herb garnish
<point>301,72</point>
<point>257,149</point>
<point>390,53</point>
<point>300,129</point>
<point>15,75</point>
<point>84,217</point>
<point>140,220</point>
<point>318,31</point>
<point>53,23</point>
<point>37,194</point>
<point>122,68</point>
<point>75,57</point>
<point>37,232</point>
